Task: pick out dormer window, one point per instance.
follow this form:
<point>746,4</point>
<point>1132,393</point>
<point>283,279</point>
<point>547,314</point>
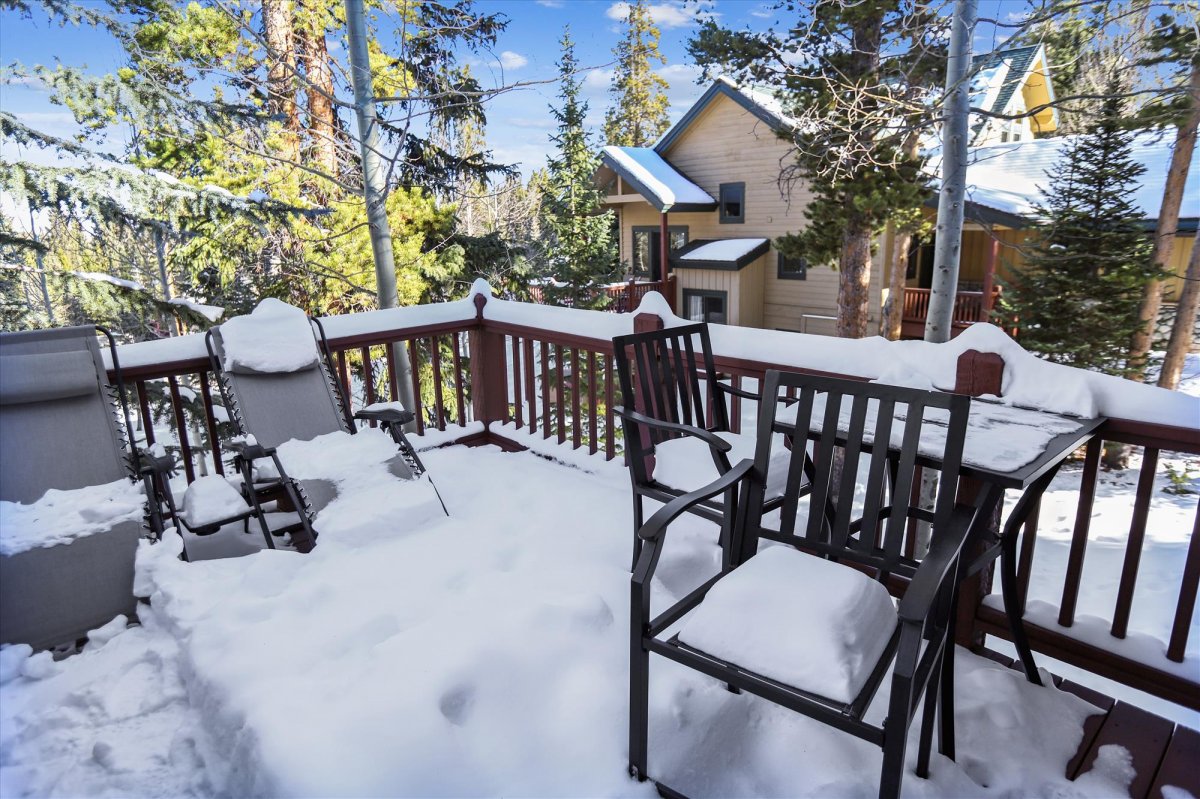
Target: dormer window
<point>733,203</point>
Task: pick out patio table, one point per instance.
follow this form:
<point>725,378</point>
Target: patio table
<point>1006,448</point>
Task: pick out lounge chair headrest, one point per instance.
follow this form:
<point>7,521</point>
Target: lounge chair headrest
<point>46,376</point>
<point>275,338</point>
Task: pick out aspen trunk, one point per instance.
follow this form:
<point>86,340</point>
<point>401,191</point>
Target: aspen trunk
<point>1168,223</point>
<point>854,281</point>
<point>1185,322</point>
<point>322,131</point>
<point>281,72</point>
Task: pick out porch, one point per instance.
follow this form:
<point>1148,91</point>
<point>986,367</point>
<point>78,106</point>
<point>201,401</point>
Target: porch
<point>510,376</point>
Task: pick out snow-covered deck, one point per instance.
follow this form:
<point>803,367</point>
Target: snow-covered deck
<point>482,654</point>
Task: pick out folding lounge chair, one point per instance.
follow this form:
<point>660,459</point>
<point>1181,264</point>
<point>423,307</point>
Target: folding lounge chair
<point>294,397</point>
<point>59,430</point>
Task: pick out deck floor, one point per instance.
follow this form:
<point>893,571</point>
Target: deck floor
<point>1164,753</point>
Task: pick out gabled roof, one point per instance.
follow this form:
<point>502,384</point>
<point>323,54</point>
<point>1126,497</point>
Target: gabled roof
<point>764,106</point>
<point>1009,180</point>
<point>998,76</point>
<point>663,186</point>
<point>725,254</point>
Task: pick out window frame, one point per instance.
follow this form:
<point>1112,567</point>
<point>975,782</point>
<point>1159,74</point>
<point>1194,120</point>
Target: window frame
<point>689,293</point>
<point>651,229</point>
<point>726,218</point>
<point>782,274</point>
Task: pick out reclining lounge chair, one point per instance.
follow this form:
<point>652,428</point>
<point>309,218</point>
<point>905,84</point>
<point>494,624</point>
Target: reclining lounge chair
<point>275,375</point>
<point>74,510</point>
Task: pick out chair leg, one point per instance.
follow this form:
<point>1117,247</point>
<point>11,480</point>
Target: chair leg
<point>639,709</point>
<point>1012,606</point>
<point>895,739</point>
<point>928,720</point>
<point>946,700</point>
<point>638,521</point>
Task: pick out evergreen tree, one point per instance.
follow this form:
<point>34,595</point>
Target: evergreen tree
<point>578,246</point>
<point>846,73</point>
<point>1076,299</point>
<point>639,115</point>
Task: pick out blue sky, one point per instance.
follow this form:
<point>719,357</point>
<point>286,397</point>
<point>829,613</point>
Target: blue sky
<point>519,122</point>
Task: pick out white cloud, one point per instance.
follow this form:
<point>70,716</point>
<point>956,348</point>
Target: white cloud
<point>598,79</point>
<point>550,3</point>
<point>511,60</point>
<point>669,14</point>
<point>762,12</point>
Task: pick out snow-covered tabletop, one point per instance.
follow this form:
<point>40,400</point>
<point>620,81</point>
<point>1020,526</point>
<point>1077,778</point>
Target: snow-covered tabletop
<point>1000,439</point>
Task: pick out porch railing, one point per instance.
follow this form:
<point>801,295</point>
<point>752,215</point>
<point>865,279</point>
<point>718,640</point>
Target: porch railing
<point>968,309</point>
<point>623,297</point>
<point>526,376</point>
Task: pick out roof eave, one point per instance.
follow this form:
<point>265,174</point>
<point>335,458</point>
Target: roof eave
<point>723,266</point>
<point>718,88</point>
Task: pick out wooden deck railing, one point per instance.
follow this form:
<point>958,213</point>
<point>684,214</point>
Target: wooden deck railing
<point>623,297</point>
<point>968,309</point>
<point>559,388</point>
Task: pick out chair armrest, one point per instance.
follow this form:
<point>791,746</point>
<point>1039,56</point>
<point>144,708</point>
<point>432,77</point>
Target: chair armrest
<point>944,551</point>
<point>251,452</point>
<point>737,392</point>
<point>658,523</point>
<point>156,464</point>
<point>386,416</point>
<point>713,440</point>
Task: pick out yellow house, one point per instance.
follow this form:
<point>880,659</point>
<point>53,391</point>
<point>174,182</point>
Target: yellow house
<point>706,202</point>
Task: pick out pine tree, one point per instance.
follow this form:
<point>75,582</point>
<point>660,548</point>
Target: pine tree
<point>578,248</point>
<point>639,115</point>
<point>1076,299</point>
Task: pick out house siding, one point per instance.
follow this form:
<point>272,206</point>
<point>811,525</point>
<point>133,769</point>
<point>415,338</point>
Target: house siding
<point>727,144</point>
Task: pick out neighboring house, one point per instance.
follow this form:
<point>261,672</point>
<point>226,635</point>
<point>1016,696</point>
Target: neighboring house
<point>707,200</point>
<point>1012,82</point>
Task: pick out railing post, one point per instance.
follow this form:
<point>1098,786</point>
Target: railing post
<point>978,373</point>
<point>489,389</point>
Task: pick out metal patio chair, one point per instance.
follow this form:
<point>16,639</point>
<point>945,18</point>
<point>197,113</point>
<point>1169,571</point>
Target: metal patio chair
<point>762,624</point>
<point>279,406</point>
<point>675,414</point>
<point>62,427</point>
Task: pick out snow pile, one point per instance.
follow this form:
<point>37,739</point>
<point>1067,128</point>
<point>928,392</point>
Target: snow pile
<point>114,720</point>
<point>484,654</point>
<point>210,312</point>
<point>61,516</point>
<point>686,463</point>
<point>723,250</point>
<point>275,337</point>
<point>842,622</point>
<point>645,166</point>
<point>211,499</point>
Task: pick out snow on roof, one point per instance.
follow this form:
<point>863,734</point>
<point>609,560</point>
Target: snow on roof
<point>1013,177</point>
<point>723,250</point>
<point>765,102</point>
<point>654,178</point>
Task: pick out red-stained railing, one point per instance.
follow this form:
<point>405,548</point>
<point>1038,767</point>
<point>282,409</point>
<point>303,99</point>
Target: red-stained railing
<point>968,309</point>
<point>623,297</point>
<point>560,388</point>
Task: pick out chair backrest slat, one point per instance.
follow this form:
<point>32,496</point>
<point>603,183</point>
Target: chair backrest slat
<point>885,425</point>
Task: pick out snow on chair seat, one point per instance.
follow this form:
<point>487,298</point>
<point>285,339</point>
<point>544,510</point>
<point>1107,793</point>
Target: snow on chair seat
<point>825,627</point>
<point>211,501</point>
<point>686,463</point>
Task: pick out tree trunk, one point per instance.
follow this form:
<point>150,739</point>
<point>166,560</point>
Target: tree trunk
<point>1168,223</point>
<point>854,281</point>
<point>952,198</point>
<point>322,131</point>
<point>281,72</point>
<point>375,187</point>
<point>1185,322</point>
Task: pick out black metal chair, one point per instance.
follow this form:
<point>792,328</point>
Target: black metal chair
<point>837,569</point>
<point>675,416</point>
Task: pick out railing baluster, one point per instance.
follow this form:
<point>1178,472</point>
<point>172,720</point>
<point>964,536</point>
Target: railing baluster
<point>393,384</point>
<point>435,359</point>
<point>185,447</point>
<point>144,408</point>
<point>344,375</point>
<point>1133,548</point>
<point>368,378</point>
<point>530,394</point>
<point>211,421</point>
<point>518,411</point>
<point>593,416</point>
<point>576,415</point>
<point>610,433</point>
<point>415,361</point>
<point>1079,537</point>
<point>560,410</point>
<point>545,352</point>
<point>1187,595</point>
<point>460,402</point>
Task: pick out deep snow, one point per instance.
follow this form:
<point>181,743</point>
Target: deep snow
<point>482,654</point>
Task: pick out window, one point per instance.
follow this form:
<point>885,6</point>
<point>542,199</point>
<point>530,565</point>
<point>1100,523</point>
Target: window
<point>704,306</point>
<point>733,203</point>
<point>646,249</point>
<point>791,268</point>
